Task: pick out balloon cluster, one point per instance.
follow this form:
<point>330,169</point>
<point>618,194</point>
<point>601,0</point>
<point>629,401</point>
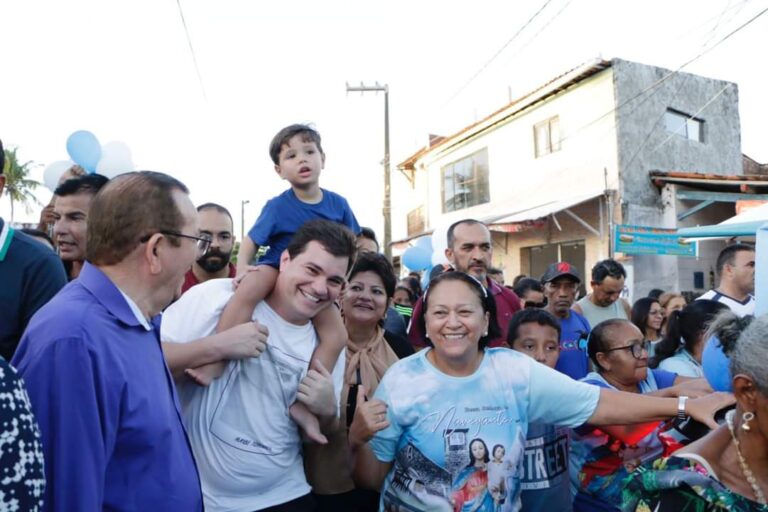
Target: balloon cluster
<point>428,251</point>
<point>84,149</point>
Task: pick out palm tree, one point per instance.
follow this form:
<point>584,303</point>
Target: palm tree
<point>18,185</point>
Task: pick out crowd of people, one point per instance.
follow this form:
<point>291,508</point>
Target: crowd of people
<point>145,368</point>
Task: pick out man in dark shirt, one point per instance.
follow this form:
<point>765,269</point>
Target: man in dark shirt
<point>30,275</point>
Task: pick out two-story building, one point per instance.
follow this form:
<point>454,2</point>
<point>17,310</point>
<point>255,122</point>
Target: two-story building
<point>553,172</point>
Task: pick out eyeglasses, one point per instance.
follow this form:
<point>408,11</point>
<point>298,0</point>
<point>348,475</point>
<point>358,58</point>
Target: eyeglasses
<point>637,349</point>
<point>203,242</point>
<point>538,305</point>
<point>657,312</point>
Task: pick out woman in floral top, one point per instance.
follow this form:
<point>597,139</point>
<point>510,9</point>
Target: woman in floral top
<point>728,468</point>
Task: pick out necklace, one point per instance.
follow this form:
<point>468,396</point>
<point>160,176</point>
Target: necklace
<point>743,462</point>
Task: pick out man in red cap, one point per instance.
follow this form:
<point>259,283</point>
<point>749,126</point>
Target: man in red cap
<point>561,280</point>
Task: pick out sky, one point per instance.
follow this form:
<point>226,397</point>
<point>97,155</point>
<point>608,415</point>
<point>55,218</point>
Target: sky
<point>125,71</point>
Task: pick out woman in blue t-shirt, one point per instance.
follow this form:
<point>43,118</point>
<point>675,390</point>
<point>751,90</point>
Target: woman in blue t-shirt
<point>412,440</point>
<point>601,458</point>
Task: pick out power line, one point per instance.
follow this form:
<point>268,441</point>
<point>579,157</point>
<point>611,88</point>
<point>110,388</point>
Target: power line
<point>709,37</point>
<point>495,55</point>
<point>192,51</point>
<point>668,75</point>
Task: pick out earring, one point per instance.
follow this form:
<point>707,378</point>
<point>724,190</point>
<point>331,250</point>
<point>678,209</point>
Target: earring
<point>485,333</point>
<point>745,419</point>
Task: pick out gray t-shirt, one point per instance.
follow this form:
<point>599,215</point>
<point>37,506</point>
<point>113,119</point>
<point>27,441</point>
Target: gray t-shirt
<point>596,314</point>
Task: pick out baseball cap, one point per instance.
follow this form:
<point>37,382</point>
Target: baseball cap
<point>560,269</point>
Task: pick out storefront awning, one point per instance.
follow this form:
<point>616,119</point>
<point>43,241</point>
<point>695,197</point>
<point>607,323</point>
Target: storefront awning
<point>744,224</point>
<point>722,230</point>
<point>544,210</point>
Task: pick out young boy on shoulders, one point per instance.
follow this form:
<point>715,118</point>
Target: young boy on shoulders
<point>298,156</point>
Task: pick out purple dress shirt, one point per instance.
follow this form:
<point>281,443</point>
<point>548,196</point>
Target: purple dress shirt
<point>112,433</point>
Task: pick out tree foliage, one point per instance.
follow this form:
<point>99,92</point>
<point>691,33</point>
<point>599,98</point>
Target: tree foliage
<point>18,185</point>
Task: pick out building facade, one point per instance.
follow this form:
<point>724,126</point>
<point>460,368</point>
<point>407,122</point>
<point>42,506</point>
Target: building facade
<point>552,173</point>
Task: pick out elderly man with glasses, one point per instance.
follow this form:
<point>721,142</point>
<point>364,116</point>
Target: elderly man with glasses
<point>109,416</point>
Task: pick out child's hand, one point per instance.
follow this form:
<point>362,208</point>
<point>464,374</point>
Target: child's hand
<point>316,391</point>
<point>244,341</point>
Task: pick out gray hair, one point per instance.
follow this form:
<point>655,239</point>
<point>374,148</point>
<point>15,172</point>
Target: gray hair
<point>744,342</point>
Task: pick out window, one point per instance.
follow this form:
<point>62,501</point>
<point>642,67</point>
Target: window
<point>684,125</point>
<point>546,136</point>
<point>465,182</point>
<point>416,222</point>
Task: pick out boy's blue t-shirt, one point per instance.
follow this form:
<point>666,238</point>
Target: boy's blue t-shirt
<point>437,421</point>
<point>574,332</point>
<point>283,215</point>
<point>545,480</point>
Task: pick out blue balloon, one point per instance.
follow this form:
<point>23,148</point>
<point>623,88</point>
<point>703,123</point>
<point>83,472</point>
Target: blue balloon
<point>425,242</point>
<point>84,149</point>
<point>716,365</point>
<point>417,258</point>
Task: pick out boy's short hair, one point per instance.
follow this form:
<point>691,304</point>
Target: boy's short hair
<point>336,238</point>
<point>531,316</point>
<point>286,134</point>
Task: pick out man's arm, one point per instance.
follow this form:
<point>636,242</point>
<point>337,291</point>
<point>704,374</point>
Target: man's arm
<point>239,342</point>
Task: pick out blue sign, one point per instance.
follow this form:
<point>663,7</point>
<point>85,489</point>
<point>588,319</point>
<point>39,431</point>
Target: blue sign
<point>648,240</point>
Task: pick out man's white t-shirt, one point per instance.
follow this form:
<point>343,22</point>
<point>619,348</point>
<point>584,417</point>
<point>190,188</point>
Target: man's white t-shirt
<point>247,448</point>
<point>739,307</point>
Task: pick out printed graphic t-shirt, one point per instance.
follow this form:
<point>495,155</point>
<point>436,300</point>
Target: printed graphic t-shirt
<point>599,463</point>
<point>545,481</point>
<point>445,431</point>
<point>574,332</point>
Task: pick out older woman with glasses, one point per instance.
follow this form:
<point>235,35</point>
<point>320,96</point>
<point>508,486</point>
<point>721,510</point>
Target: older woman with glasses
<point>601,458</point>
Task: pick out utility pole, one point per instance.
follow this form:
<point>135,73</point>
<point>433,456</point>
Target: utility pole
<point>387,209</point>
<point>242,219</point>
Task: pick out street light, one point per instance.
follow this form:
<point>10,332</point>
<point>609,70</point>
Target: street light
<point>386,210</point>
<point>242,219</point>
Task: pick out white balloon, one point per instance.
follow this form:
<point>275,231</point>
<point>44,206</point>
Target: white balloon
<point>115,159</point>
<point>439,244</point>
<point>53,172</point>
<point>438,258</point>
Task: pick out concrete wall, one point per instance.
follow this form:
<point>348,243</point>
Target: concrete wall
<point>644,144</point>
<point>519,180</point>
